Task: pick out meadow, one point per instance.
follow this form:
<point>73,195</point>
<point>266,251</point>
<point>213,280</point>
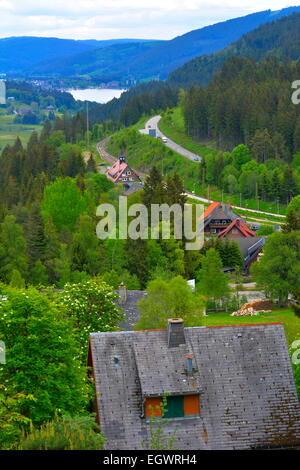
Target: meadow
<point>10,131</point>
<point>286,316</point>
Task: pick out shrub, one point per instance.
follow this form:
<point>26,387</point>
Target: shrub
<point>66,433</point>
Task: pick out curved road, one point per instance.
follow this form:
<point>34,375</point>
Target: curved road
<point>153,124</point>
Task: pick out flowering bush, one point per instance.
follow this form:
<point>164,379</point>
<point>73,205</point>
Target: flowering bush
<point>92,306</point>
<point>42,358</point>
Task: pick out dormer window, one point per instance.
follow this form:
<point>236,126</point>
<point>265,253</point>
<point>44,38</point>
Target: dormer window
<point>178,406</point>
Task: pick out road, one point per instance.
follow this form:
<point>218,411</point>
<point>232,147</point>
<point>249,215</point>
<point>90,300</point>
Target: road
<point>153,123</point>
<point>203,199</point>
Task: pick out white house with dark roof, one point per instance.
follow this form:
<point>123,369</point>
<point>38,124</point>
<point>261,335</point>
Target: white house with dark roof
<point>229,387</point>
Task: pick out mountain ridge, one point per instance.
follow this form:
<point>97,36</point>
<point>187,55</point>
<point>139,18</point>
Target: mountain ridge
<point>280,38</point>
<point>144,63</point>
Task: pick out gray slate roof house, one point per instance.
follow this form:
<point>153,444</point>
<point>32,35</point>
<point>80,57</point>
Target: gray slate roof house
<point>227,387</point>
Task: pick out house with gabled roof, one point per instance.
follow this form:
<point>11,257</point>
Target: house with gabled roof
<point>217,217</point>
<point>237,228</point>
<point>228,387</point>
<point>121,172</point>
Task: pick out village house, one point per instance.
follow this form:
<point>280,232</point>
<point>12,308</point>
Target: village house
<point>121,172</point>
<point>217,217</point>
<point>236,229</point>
<point>221,222</point>
<point>228,387</point>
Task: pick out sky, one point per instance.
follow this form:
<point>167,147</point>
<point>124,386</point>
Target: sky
<point>112,19</point>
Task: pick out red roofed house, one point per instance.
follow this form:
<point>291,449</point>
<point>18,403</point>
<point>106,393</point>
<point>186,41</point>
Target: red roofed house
<point>217,217</point>
<point>121,172</point>
<point>222,222</point>
<point>236,229</point>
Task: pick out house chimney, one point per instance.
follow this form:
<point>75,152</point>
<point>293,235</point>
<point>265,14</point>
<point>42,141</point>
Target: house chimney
<point>189,364</point>
<point>175,332</point>
<point>122,293</point>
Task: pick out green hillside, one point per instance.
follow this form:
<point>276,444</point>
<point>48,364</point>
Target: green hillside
<point>143,61</point>
<point>280,39</point>
<point>106,63</point>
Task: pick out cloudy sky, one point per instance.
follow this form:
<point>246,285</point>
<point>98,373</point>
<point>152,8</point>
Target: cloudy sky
<point>107,19</point>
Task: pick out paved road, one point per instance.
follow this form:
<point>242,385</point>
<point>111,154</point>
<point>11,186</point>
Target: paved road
<point>153,123</point>
<point>203,199</point>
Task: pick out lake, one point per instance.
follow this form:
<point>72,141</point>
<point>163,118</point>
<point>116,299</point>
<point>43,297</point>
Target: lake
<point>99,95</point>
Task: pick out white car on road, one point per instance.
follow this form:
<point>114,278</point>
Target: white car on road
<point>165,140</point>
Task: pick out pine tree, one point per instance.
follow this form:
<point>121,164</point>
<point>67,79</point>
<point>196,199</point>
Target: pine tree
<point>154,190</point>
<point>91,165</point>
<point>137,260</point>
<point>13,249</point>
<point>212,282</point>
<point>292,222</point>
<point>35,235</point>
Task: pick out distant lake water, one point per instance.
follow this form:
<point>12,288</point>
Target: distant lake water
<point>99,95</point>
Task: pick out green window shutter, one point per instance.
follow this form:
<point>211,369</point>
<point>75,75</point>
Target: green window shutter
<point>175,407</point>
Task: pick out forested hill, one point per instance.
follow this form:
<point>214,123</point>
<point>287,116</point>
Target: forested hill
<point>171,54</point>
<point>279,38</point>
<point>20,53</point>
<point>107,63</point>
<point>248,103</point>
<point>141,62</point>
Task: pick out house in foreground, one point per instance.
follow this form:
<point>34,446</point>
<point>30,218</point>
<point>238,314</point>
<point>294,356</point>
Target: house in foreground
<point>228,387</point>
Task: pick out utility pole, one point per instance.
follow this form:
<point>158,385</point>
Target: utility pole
<point>87,125</point>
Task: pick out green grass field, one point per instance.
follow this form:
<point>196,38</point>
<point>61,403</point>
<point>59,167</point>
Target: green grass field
<point>286,316</point>
<point>10,131</point>
<point>143,152</point>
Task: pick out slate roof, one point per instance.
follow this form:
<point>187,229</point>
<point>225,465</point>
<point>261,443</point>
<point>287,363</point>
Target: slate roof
<point>217,210</point>
<point>248,397</point>
<point>170,377</point>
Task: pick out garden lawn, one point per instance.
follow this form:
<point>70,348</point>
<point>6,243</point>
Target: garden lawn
<point>286,316</point>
